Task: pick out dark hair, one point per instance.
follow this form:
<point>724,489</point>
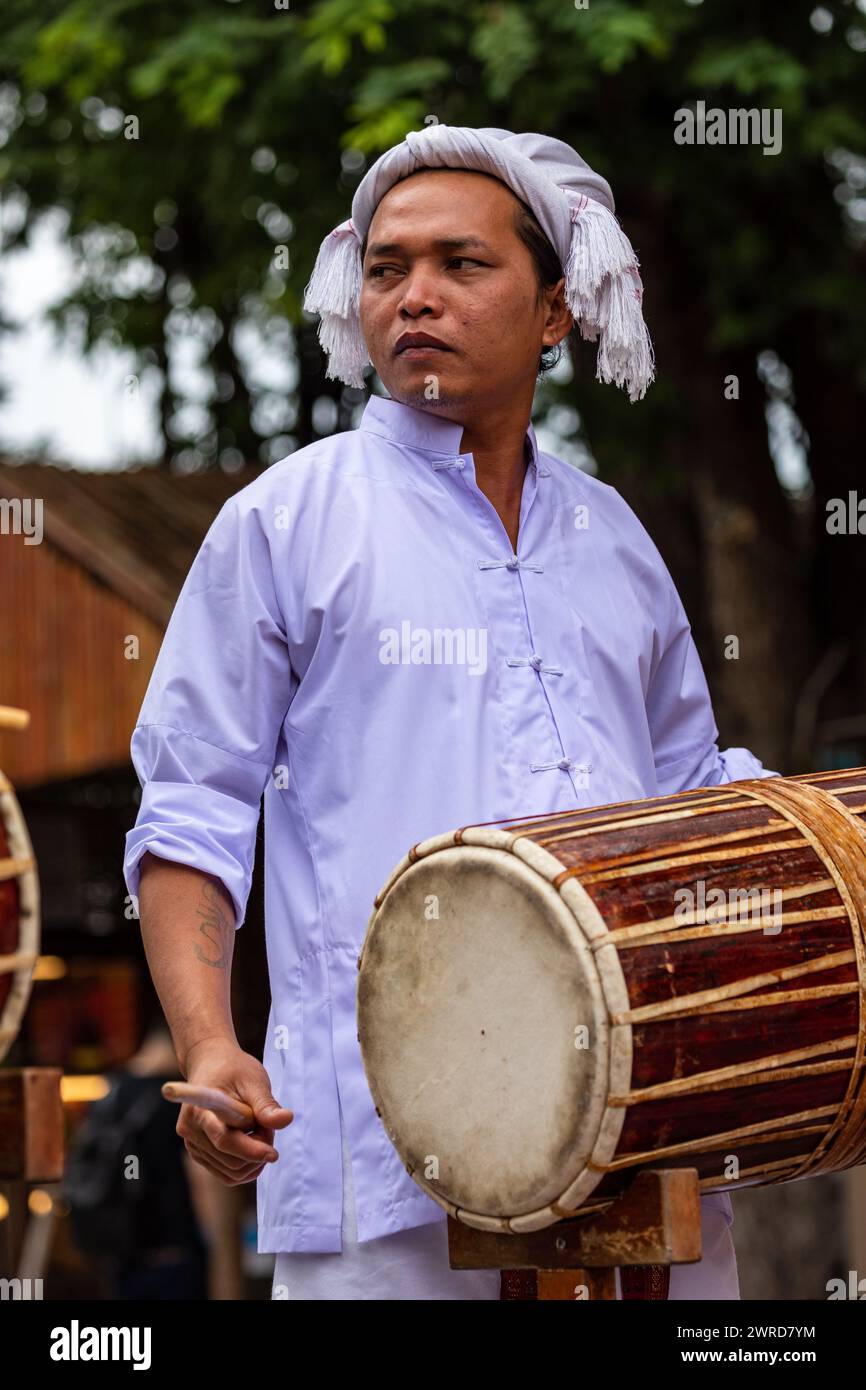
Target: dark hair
<point>548,267</point>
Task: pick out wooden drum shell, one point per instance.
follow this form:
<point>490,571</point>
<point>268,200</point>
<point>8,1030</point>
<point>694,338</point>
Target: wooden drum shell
<point>19,916</point>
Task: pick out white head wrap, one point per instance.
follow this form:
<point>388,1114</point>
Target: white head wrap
<point>575,209</point>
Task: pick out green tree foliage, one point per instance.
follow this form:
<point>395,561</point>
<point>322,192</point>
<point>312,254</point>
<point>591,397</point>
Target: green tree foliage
<point>194,139</point>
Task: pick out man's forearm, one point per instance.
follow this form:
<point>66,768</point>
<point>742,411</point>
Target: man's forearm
<point>188,927</point>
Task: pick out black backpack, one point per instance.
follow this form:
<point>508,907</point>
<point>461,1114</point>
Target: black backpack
<point>104,1205</point>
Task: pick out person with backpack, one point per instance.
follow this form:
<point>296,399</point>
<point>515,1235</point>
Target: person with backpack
<point>130,1201</point>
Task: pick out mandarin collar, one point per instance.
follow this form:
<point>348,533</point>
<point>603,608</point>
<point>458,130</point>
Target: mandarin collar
<point>422,429</point>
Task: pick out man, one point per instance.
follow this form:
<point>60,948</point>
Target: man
<point>298,663</point>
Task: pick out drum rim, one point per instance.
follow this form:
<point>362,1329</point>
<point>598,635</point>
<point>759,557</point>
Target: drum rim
<point>580,917</point>
<point>20,847</point>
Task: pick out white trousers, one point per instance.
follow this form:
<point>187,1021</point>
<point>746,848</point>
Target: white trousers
<point>413,1264</point>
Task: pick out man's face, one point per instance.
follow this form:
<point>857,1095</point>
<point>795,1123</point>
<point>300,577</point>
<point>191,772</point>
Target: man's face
<point>444,259</point>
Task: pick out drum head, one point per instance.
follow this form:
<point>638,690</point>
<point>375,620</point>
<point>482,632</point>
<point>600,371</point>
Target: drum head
<point>484,1032</point>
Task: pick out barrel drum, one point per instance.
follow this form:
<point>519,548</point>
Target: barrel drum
<point>548,1005</point>
<point>19,916</point>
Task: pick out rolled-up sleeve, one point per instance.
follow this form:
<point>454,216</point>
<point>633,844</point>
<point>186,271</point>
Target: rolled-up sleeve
<point>204,744</point>
<point>680,714</point>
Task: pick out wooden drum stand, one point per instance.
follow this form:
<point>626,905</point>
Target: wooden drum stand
<point>655,1223</point>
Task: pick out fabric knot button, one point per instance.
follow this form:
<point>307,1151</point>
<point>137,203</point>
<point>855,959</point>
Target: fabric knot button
<point>512,563</point>
<point>564,763</point>
<point>535,662</point>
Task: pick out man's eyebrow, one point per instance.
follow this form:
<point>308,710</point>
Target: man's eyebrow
<point>460,243</point>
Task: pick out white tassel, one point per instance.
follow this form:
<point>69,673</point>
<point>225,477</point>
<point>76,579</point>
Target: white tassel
<point>599,246</point>
<point>334,293</point>
<point>625,354</point>
<point>335,284</point>
<point>603,291</point>
<point>344,346</point>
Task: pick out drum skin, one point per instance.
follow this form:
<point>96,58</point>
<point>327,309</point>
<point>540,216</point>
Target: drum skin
<point>19,916</point>
<point>700,957</point>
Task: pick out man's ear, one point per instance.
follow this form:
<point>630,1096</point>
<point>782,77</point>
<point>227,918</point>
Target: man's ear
<point>558,321</point>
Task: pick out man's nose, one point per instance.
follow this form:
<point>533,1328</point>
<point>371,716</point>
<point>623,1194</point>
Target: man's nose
<point>420,294</point>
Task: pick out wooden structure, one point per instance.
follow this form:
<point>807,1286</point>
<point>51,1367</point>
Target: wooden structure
<point>91,564</point>
<point>105,565</point>
<point>654,1224</point>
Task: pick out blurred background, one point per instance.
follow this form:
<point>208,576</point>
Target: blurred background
<point>168,172</point>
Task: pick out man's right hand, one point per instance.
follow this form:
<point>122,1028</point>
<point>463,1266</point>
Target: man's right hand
<point>232,1155</point>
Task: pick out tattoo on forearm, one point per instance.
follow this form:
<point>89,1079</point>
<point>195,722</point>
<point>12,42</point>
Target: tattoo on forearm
<point>215,927</point>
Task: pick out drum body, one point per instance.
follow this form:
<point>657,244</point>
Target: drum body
<point>19,916</point>
<point>547,1006</point>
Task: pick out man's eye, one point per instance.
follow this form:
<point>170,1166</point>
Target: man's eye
<point>467,260</point>
<point>377,271</point>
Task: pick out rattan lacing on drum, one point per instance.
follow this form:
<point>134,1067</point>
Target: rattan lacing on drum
<point>838,838</point>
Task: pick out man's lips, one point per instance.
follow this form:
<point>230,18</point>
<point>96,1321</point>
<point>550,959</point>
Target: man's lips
<point>418,345</point>
<point>427,350</point>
